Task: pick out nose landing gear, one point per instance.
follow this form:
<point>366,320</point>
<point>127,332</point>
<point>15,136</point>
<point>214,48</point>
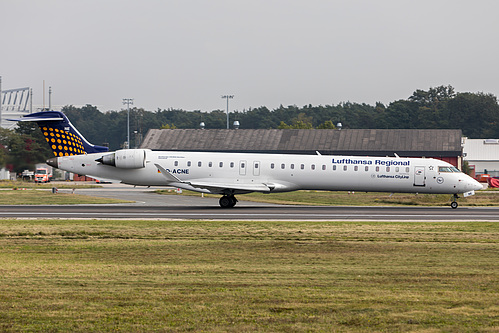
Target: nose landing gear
<point>454,203</point>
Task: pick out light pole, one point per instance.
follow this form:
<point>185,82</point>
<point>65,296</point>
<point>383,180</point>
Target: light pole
<point>128,101</point>
<point>227,97</point>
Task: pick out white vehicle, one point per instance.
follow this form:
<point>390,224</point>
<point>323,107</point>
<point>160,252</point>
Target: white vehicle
<point>229,174</point>
<point>42,175</point>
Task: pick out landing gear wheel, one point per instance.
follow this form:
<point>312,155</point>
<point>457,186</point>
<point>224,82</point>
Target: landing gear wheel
<point>227,201</point>
<point>454,203</point>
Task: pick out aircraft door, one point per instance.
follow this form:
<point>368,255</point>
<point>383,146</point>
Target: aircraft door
<point>419,176</point>
<point>256,168</point>
<point>242,168</point>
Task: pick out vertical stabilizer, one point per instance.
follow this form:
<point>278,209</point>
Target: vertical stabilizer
<point>61,135</point>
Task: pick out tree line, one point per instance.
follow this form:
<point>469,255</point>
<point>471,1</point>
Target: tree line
<point>476,114</point>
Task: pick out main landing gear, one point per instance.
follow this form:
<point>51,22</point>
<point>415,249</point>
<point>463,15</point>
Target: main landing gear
<point>227,201</point>
<point>454,203</point>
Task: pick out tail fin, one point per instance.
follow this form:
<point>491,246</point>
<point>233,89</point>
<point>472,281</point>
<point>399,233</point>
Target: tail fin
<point>61,135</point>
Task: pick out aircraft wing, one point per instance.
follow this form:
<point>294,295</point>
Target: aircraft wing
<point>216,187</point>
<point>213,186</point>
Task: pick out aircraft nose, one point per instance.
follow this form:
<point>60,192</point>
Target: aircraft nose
<point>476,185</point>
<point>53,162</point>
<point>469,184</point>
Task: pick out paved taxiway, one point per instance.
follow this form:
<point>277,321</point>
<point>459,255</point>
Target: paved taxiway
<point>149,205</point>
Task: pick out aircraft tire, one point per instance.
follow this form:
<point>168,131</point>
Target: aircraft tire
<point>454,204</point>
<point>225,202</point>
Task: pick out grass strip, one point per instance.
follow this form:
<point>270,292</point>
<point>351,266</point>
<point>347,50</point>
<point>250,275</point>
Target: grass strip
<point>36,197</point>
<point>174,276</point>
<point>18,184</point>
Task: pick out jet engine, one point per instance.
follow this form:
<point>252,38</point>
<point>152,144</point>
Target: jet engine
<point>125,159</point>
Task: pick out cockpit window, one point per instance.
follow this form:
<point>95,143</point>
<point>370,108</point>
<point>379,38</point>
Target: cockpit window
<point>448,169</point>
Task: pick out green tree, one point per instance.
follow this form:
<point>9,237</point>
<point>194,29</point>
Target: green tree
<point>477,114</point>
<point>328,124</point>
<point>23,147</point>
<point>432,105</point>
<point>433,96</point>
<point>5,135</point>
<point>299,122</point>
<point>28,147</point>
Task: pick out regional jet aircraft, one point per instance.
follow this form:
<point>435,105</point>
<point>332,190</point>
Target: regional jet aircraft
<point>228,174</point>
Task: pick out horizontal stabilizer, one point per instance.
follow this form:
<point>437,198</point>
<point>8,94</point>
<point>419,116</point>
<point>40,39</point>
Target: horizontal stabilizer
<point>37,119</point>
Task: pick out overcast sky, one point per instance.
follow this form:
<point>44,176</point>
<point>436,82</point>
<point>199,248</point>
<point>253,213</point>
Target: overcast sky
<point>188,53</point>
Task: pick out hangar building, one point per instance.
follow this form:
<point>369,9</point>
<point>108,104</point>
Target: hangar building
<point>441,144</point>
<point>482,155</point>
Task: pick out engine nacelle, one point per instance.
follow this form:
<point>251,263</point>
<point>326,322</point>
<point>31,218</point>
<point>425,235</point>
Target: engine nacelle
<point>125,159</point>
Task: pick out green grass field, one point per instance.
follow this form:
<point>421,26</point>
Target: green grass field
<point>177,276</point>
<point>17,184</point>
<point>46,197</point>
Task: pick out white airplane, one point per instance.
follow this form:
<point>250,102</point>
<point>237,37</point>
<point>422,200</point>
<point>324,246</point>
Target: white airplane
<point>229,174</point>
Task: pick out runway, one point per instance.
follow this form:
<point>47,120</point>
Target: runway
<point>149,205</point>
<point>252,212</point>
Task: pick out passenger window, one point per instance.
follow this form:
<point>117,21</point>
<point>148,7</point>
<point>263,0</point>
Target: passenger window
<point>334,167</point>
<point>397,169</point>
<point>283,166</point>
<point>210,164</point>
<point>292,166</point>
<point>407,169</point>
<point>356,168</point>
<point>302,166</point>
<point>272,165</point>
<point>387,169</point>
<point>188,163</point>
<point>345,168</point>
<point>221,164</point>
<point>312,166</point>
<point>323,167</point>
<point>199,164</point>
<point>367,168</point>
<point>175,163</point>
<point>231,164</point>
<point>256,165</point>
<point>377,169</point>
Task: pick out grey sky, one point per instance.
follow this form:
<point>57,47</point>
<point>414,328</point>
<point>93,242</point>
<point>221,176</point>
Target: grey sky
<point>187,53</point>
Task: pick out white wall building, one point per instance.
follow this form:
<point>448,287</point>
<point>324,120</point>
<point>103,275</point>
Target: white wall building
<point>483,154</point>
<point>4,174</point>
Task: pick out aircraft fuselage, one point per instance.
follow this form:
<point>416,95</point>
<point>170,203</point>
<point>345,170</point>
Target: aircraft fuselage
<point>233,173</point>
